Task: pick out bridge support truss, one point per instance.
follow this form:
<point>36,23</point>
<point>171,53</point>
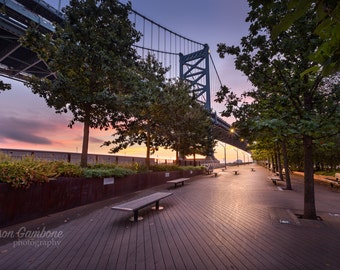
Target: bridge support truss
<point>194,68</point>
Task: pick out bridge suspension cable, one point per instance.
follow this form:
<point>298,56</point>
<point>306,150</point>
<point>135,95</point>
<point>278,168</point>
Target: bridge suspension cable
<point>163,43</point>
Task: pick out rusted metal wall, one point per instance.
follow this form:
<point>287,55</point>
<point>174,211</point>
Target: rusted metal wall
<point>18,205</point>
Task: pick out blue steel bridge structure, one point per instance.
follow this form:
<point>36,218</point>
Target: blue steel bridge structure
<point>188,60</point>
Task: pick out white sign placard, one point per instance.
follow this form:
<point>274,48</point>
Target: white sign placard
<point>108,181</point>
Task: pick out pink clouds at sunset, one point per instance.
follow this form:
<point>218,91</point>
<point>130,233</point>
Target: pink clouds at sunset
<point>26,122</point>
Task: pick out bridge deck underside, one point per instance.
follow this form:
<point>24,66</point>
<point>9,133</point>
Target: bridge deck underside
<point>221,134</point>
<point>17,61</point>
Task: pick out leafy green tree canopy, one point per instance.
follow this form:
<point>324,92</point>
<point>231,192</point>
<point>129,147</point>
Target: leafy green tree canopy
<point>141,121</point>
<point>327,12</point>
<point>163,114</point>
<point>187,123</point>
<point>93,59</point>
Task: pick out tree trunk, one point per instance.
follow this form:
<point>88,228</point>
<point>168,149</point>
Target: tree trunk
<point>275,160</point>
<point>273,165</point>
<point>309,196</point>
<point>278,159</point>
<point>177,156</point>
<point>285,164</point>
<point>148,150</point>
<point>85,146</point>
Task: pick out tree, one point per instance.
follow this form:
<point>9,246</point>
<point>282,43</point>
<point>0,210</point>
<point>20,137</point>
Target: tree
<point>274,66</point>
<point>162,114</point>
<point>260,121</point>
<point>187,124</point>
<point>142,118</point>
<point>4,86</point>
<point>93,58</point>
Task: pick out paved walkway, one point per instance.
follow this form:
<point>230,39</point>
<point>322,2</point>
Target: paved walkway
<point>224,222</point>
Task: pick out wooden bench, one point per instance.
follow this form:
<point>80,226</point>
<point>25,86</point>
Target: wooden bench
<point>236,172</point>
<point>334,181</point>
<point>140,203</point>
<point>178,181</point>
<point>209,169</point>
<point>275,179</point>
<point>278,173</point>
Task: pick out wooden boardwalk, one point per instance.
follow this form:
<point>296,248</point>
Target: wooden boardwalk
<point>225,222</point>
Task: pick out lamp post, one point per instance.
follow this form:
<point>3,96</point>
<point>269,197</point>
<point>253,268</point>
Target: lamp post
<point>236,155</point>
<point>225,155</point>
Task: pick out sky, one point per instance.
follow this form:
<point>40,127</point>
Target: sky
<point>26,122</point>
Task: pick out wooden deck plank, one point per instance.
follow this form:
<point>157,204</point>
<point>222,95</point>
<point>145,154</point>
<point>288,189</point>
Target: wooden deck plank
<point>78,242</point>
<point>189,225</point>
<point>99,257</point>
<point>111,254</point>
<point>93,246</point>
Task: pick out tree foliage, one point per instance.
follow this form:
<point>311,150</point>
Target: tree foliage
<point>327,55</point>
<point>187,123</point>
<point>162,114</point>
<point>4,86</point>
<point>141,110</point>
<point>93,59</point>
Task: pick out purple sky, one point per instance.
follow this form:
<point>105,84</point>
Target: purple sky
<point>27,123</point>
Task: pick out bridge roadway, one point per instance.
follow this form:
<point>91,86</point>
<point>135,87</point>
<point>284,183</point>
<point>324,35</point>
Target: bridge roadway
<point>225,222</point>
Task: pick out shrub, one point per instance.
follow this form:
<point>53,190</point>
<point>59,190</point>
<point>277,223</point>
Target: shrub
<point>172,167</point>
<point>107,172</point>
<point>66,169</point>
<point>23,173</point>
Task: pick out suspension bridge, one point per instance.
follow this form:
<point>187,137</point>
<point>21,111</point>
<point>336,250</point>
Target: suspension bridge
<point>188,60</point>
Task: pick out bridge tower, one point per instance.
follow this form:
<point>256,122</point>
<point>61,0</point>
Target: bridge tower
<point>194,68</point>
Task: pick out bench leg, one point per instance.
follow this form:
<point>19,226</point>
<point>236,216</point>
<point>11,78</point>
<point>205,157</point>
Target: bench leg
<point>183,183</point>
<point>135,215</point>
<point>157,207</point>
